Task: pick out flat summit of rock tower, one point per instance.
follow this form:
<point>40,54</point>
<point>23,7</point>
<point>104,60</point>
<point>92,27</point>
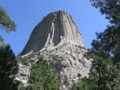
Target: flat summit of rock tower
<point>56,28</point>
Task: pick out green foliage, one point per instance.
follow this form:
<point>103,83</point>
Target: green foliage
<point>1,40</point>
<point>81,85</point>
<point>105,51</point>
<point>5,21</point>
<point>110,8</point>
<point>42,77</point>
<point>23,60</point>
<point>7,64</point>
<point>109,40</point>
<point>103,76</point>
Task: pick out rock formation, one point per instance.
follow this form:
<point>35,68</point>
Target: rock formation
<point>57,38</point>
<point>56,28</point>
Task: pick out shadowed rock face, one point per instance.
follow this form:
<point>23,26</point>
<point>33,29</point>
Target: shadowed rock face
<point>58,27</point>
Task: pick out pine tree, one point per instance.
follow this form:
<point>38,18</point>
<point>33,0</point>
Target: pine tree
<point>105,51</point>
<point>7,57</point>
<point>111,9</point>
<point>7,64</point>
<point>110,38</point>
<point>6,22</point>
<point>42,77</point>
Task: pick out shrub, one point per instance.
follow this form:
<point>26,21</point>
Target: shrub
<point>42,77</point>
<point>22,60</point>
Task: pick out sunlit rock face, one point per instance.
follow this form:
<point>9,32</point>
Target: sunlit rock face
<point>57,27</point>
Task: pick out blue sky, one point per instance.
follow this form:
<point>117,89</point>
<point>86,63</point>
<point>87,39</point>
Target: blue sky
<point>28,13</point>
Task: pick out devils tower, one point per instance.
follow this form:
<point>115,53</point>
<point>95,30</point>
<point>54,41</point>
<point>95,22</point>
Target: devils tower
<point>59,41</point>
<point>58,27</point>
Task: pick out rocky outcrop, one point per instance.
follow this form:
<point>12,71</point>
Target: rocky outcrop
<point>69,63</point>
<point>22,75</point>
<point>58,27</point>
<point>57,38</point>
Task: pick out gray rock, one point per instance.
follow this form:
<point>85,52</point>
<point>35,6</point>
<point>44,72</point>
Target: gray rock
<point>57,38</point>
<point>23,74</point>
<point>58,27</point>
<point>69,63</point>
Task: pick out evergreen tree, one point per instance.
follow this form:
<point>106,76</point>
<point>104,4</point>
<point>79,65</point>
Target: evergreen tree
<point>105,51</point>
<point>110,38</point>
<point>111,8</point>
<point>107,44</point>
<point>42,77</point>
<point>6,22</point>
<point>7,64</point>
<point>7,57</point>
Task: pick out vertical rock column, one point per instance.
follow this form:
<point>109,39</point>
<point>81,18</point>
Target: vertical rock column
<point>54,28</point>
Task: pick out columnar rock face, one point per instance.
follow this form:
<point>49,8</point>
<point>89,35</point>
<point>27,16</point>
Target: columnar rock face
<point>58,27</point>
